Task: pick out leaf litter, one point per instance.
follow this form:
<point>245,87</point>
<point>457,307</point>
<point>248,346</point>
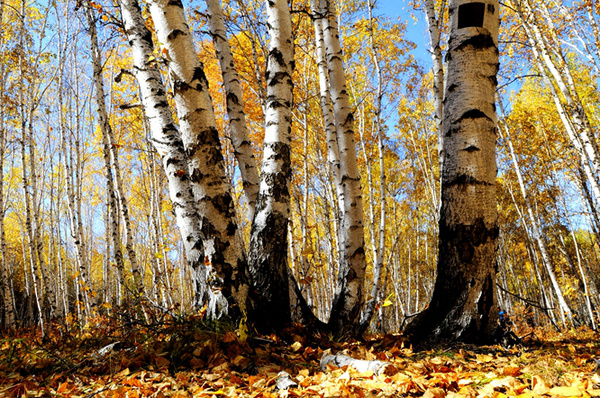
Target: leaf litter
<point>189,358</point>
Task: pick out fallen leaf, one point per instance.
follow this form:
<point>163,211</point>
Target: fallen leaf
<point>565,392</point>
<point>434,393</point>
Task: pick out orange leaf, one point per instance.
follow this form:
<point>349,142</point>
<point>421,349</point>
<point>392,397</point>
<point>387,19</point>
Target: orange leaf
<point>133,382</point>
<point>511,371</point>
<point>62,388</point>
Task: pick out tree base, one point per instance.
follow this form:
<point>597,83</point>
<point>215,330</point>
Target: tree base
<point>430,328</point>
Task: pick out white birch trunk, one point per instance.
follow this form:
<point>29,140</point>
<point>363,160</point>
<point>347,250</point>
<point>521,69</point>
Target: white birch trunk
<point>7,292</point>
<point>72,181</point>
<point>138,283</point>
<point>333,153</point>
<point>104,128</point>
<point>268,241</point>
<point>235,109</point>
<point>434,21</point>
<point>463,304</point>
<point>377,236</point>
<point>222,247</point>
<point>349,294</point>
<point>115,184</point>
<point>576,123</point>
<point>166,139</point>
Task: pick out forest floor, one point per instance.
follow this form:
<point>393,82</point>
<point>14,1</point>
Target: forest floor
<point>187,358</point>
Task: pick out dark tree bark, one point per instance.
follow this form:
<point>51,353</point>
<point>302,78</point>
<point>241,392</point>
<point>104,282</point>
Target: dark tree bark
<point>463,305</point>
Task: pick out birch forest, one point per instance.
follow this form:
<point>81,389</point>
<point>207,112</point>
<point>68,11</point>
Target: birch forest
<point>265,163</point>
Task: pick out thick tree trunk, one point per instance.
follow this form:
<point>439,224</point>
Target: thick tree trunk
<point>349,295</point>
<point>235,109</point>
<point>463,305</point>
<point>165,136</point>
<point>224,253</point>
<point>268,256</point>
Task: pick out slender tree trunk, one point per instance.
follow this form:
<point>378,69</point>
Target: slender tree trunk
<point>537,235</point>
<point>7,292</point>
<point>378,245</point>
<point>319,16</point>
<point>72,182</point>
<point>115,184</point>
<point>349,295</point>
<point>572,112</point>
<point>235,109</point>
<point>434,23</point>
<point>463,305</point>
<point>105,127</point>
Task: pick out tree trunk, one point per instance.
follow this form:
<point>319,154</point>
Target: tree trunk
<point>202,178</point>
<point>537,235</point>
<point>7,292</point>
<point>104,128</point>
<point>434,22</point>
<point>552,63</point>
<point>235,109</point>
<point>463,304</point>
<point>71,164</point>
<point>268,255</point>
<point>378,245</point>
<point>349,295</point>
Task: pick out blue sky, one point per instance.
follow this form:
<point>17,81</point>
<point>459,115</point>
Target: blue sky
<point>417,30</point>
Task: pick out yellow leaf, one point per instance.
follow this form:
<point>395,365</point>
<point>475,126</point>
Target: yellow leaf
<point>296,346</point>
<point>565,392</point>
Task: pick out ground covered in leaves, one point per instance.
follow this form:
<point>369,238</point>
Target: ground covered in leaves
<point>189,358</point>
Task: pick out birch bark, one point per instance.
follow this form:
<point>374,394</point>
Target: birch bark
<point>223,249</point>
<point>378,245</point>
<point>7,292</point>
<point>71,163</point>
<point>349,295</point>
<point>552,63</point>
<point>268,253</point>
<point>463,304</point>
<point>235,109</point>
<point>434,21</point>
<point>117,195</point>
<point>104,128</point>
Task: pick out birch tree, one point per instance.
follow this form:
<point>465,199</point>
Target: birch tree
<point>553,65</point>
<point>349,295</point>
<point>105,129</point>
<point>267,259</point>
<point>7,291</point>
<point>223,249</point>
<point>536,231</point>
<point>463,305</point>
<point>235,110</point>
